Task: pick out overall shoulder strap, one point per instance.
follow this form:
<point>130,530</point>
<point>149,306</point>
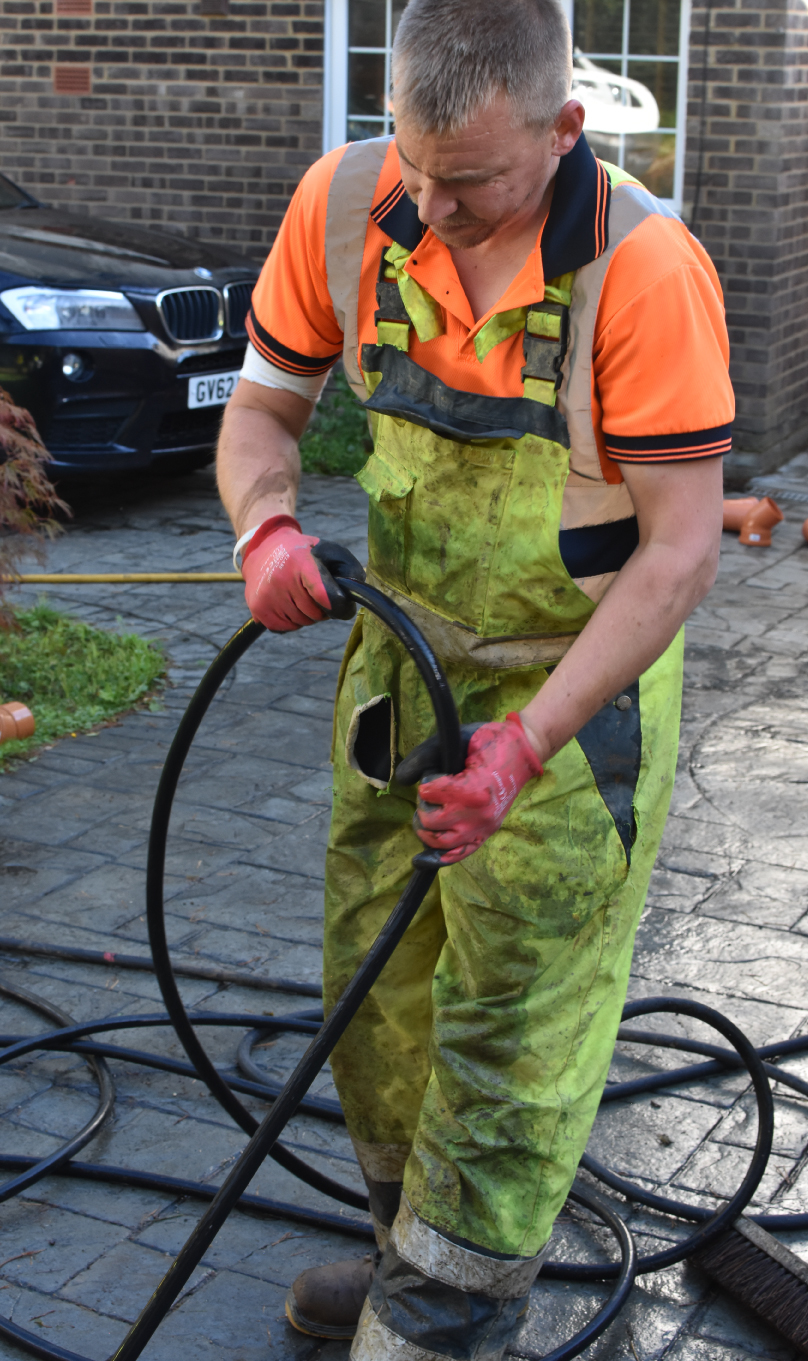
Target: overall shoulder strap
<point>630,205</point>
<point>350,198</point>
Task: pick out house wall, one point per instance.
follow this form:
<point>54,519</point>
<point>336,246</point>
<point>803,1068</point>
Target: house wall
<point>196,122</point>
<point>746,198</point>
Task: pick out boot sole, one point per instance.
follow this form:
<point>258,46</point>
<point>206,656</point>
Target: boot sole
<point>312,1329</point>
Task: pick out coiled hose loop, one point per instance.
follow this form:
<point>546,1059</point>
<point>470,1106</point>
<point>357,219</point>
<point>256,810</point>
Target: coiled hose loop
<point>292,1097</point>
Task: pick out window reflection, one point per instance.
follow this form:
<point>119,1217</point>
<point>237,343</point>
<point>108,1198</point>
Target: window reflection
<point>627,76</point>
<point>372,27</point>
<point>366,84</point>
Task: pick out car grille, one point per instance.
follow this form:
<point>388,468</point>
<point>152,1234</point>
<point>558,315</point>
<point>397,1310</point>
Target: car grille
<point>221,361</point>
<point>188,429</point>
<point>191,313</point>
<point>237,305</point>
<point>88,428</point>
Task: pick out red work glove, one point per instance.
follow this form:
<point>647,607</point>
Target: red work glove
<point>457,813</point>
<point>287,576</point>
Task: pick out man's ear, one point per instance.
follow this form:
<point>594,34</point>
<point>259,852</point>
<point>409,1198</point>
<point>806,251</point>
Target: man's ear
<point>568,127</point>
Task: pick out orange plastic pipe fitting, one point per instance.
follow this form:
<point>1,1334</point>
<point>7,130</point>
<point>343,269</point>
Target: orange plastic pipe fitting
<point>756,530</point>
<point>16,722</point>
<point>735,512</point>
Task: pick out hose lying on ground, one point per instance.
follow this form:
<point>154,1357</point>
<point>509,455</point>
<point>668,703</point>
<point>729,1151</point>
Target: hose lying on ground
<point>285,1102</point>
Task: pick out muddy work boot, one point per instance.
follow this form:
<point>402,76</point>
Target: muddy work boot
<point>326,1301</point>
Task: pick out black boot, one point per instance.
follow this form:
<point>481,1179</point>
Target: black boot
<point>326,1301</point>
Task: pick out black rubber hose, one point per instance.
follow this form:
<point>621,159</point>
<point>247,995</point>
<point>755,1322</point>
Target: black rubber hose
<point>264,1089</point>
<point>62,1039</point>
<point>291,1097</point>
<point>208,972</point>
<point>138,1179</point>
<point>67,1040</point>
<point>448,726</point>
<point>726,1059</point>
<point>324,1106</point>
<point>106,1099</point>
<point>715,1223</point>
<point>264,1141</point>
<point>625,1273</point>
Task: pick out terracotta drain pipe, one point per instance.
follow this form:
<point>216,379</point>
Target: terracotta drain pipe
<point>16,722</point>
<point>735,512</point>
<point>756,530</point>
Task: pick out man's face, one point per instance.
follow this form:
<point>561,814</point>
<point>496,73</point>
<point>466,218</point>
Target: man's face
<point>470,184</point>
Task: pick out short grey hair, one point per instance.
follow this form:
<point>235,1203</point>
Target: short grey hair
<point>452,57</point>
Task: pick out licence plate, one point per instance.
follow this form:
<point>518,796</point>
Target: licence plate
<point>212,389</point>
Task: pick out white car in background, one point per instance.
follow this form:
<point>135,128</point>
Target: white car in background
<point>614,104</point>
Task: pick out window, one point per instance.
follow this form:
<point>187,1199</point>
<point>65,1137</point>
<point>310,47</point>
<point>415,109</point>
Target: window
<point>357,90</point>
<point>630,74</point>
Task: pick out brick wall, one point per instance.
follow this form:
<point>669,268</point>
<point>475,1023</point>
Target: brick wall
<point>195,121</point>
<point>747,198</point>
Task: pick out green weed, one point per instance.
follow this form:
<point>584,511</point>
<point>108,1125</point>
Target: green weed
<point>337,441</point>
<point>70,675</point>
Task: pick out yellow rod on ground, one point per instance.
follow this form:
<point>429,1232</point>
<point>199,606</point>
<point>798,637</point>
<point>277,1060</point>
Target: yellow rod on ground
<point>116,578</point>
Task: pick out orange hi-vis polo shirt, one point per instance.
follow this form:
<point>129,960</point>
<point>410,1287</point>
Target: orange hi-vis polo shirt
<point>660,384</point>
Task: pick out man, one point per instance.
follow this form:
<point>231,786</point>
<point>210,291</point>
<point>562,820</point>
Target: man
<point>541,347</point>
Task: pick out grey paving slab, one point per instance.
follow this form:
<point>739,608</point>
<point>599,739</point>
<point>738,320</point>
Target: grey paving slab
<point>726,924</point>
<point>112,1284</point>
<point>45,1246</point>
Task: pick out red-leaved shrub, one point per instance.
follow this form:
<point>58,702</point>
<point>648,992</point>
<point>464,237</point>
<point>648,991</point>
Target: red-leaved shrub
<point>28,499</point>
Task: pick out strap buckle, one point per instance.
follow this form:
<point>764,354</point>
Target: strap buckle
<point>545,342</point>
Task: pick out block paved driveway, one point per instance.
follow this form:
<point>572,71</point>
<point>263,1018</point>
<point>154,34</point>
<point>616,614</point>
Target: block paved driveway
<point>727,923</point>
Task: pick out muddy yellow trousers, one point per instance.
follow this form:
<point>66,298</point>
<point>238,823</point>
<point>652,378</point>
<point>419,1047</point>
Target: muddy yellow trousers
<point>475,1067</point>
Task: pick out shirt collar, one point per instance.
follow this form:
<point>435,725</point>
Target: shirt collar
<point>577,227</point>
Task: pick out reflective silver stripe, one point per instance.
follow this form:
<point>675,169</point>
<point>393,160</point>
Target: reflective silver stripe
<point>454,643</point>
<point>350,199</point>
<point>588,499</point>
<point>375,1342</point>
<point>474,1272</point>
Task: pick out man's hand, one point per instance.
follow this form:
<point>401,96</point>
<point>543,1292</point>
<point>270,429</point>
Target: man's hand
<point>288,576</point>
<point>457,813</point>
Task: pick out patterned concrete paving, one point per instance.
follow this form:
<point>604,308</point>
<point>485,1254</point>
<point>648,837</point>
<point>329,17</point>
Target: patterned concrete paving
<point>727,923</point>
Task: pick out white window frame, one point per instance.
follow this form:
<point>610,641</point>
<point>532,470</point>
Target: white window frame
<point>335,84</point>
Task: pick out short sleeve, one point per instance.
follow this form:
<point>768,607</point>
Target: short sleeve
<point>661,350</point>
<point>291,322</point>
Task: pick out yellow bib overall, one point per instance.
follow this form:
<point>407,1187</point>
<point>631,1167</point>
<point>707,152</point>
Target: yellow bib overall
<point>474,1069</point>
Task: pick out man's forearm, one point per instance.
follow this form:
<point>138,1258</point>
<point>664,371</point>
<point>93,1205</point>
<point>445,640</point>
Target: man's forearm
<point>257,460</point>
<point>638,617</point>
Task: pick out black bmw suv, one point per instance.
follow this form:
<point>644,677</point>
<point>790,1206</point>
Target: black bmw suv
<point>124,343</point>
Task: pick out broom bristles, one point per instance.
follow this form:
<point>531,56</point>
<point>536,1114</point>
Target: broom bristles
<point>764,1275</point>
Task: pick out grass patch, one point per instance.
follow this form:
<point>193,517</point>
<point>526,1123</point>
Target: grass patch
<point>71,676</point>
<point>338,440</point>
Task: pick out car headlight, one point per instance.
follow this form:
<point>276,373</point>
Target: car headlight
<point>71,309</point>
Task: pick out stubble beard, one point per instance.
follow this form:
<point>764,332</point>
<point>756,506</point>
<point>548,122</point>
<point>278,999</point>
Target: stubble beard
<point>447,233</point>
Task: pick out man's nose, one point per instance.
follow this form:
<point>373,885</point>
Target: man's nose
<point>435,203</point>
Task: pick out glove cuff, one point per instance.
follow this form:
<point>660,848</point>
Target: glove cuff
<point>532,759</point>
<point>265,529</point>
